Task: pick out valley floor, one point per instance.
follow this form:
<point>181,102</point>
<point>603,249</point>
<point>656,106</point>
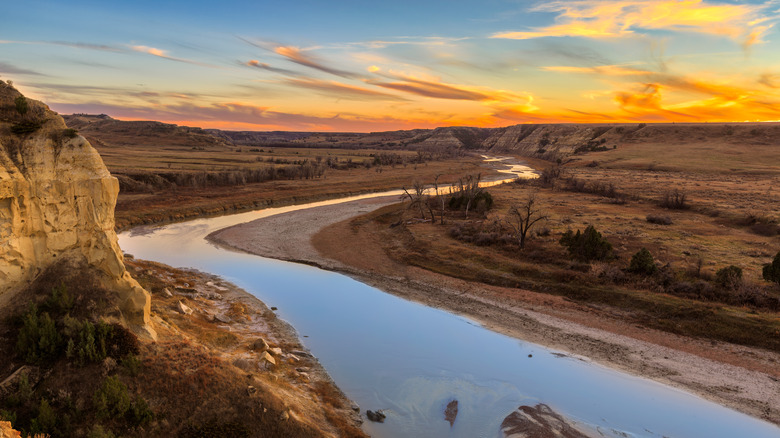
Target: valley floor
<point>746,379</point>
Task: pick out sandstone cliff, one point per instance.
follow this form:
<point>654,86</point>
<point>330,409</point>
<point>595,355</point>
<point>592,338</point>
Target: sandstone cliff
<point>57,202</point>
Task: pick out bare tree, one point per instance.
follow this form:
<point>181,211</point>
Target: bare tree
<point>471,189</point>
<point>440,196</point>
<point>417,197</point>
<point>523,217</point>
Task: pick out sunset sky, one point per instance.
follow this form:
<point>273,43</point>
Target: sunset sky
<point>374,66</point>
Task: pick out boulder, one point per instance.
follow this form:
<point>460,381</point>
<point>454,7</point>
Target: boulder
<point>267,358</point>
<point>183,308</point>
<point>7,430</point>
<point>376,416</point>
<point>260,345</point>
<point>451,412</point>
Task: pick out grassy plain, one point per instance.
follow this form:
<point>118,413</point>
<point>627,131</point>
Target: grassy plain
<point>351,171</point>
<point>731,219</point>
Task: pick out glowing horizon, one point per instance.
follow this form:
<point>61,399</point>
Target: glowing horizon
<point>360,67</point>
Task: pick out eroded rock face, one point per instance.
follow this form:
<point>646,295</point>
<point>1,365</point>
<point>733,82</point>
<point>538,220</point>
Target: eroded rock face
<point>57,202</point>
<point>538,422</point>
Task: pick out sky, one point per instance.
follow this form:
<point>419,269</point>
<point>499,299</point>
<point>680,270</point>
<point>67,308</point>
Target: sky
<point>377,66</point>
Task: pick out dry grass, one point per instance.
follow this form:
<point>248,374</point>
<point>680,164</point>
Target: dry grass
<point>181,203</point>
<point>675,300</point>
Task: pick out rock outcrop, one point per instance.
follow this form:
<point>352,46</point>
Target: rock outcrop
<point>538,422</point>
<point>57,202</point>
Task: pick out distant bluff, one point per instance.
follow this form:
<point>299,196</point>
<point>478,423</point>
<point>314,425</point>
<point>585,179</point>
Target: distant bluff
<point>57,203</point>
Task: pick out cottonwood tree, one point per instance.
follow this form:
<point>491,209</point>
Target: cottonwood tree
<point>418,198</point>
<point>441,198</point>
<point>522,218</point>
<point>469,189</point>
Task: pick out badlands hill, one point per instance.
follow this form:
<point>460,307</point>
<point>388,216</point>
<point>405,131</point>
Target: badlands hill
<point>57,203</point>
<point>543,141</point>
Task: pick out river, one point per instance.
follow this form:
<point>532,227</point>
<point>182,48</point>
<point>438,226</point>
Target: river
<point>411,360</point>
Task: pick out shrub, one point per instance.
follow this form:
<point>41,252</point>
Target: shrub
<point>549,175</point>
<point>642,263</point>
<point>21,105</point>
<point>99,432</point>
<point>88,342</point>
<point>60,301</point>
<point>45,422</point>
<point>588,245</point>
<point>675,200</point>
<point>771,271</point>
<point>111,400</point>
<point>729,277</point>
<point>9,416</point>
<point>70,133</point>
<point>38,340</point>
<point>23,128</point>
<point>659,220</point>
<point>139,413</point>
<point>132,364</point>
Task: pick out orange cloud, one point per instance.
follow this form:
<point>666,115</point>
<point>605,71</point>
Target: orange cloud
<point>263,66</point>
<point>164,54</point>
<point>604,70</point>
<point>608,19</point>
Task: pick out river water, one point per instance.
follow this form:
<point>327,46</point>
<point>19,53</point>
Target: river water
<point>411,360</point>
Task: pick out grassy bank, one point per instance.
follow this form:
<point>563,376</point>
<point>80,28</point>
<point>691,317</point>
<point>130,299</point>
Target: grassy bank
<point>691,245</point>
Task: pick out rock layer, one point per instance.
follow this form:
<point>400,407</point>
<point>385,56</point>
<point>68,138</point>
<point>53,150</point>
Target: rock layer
<point>57,202</point>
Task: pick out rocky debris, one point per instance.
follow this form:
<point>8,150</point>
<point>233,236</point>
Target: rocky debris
<point>376,416</point>
<point>260,345</point>
<point>301,353</point>
<point>451,412</point>
<point>276,351</point>
<point>292,358</point>
<point>57,203</point>
<point>539,421</point>
<point>250,390</point>
<point>267,358</point>
<point>11,382</point>
<point>183,308</point>
<point>355,407</point>
<point>304,376</point>
<point>223,319</point>
<point>7,430</point>
<point>167,293</point>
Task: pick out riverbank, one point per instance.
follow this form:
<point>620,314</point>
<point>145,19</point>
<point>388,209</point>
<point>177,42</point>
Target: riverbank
<point>206,313</point>
<point>743,378</point>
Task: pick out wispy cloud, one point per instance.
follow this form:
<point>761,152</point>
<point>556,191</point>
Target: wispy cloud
<point>164,54</point>
<point>609,19</point>
<point>409,41</point>
<point>88,46</point>
<point>298,56</point>
<point>264,66</point>
<point>337,89</point>
<point>440,90</point>
<point>769,80</point>
<point>602,70</point>
<point>13,70</point>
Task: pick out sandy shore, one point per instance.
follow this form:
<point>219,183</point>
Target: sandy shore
<point>746,379</point>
